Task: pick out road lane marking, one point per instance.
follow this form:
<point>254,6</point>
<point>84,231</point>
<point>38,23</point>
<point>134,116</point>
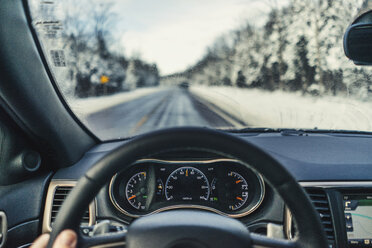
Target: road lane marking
<point>146,117</point>
<point>142,121</point>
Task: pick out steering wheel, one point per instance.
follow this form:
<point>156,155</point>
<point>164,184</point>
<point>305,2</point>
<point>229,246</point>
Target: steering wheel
<point>190,228</point>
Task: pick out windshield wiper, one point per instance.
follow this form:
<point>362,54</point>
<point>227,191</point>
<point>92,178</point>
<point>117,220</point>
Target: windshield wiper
<point>283,131</point>
<point>296,132</point>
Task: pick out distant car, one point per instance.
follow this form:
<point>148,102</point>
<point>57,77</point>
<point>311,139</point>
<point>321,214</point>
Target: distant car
<point>184,85</point>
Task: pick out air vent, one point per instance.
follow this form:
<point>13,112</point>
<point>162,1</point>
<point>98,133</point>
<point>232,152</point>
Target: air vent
<point>320,201</point>
<point>60,195</point>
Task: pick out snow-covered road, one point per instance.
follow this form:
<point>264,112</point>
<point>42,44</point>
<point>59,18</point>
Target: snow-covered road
<point>131,113</point>
<point>168,107</point>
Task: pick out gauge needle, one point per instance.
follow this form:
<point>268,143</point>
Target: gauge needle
<point>238,181</point>
<point>239,198</point>
<point>133,196</point>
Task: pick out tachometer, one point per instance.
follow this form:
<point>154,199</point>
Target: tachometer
<point>236,190</point>
<point>136,191</point>
<point>187,184</point>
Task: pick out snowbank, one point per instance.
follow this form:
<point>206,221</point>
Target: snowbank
<point>279,109</point>
<point>85,106</point>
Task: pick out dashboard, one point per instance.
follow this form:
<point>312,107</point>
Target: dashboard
<point>224,186</point>
<point>334,169</point>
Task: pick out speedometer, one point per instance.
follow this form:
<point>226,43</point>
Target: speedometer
<point>187,184</point>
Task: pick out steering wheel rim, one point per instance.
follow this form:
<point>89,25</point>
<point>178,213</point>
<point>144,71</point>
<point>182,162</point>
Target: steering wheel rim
<point>310,230</point>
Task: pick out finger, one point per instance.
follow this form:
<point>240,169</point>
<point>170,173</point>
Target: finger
<point>66,239</point>
<point>41,242</point>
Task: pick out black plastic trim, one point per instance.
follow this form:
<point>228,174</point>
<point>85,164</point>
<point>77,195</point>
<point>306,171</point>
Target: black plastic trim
<point>23,234</point>
<point>50,74</point>
<point>27,94</point>
<point>24,201</point>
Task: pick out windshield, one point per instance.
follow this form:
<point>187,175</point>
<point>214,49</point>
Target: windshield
<point>129,67</point>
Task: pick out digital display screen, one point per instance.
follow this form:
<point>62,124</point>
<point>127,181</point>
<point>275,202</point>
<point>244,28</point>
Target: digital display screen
<point>358,218</point>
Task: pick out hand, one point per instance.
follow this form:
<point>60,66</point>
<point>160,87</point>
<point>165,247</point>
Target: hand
<point>66,239</point>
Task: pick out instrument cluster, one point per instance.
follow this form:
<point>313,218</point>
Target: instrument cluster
<point>224,186</point>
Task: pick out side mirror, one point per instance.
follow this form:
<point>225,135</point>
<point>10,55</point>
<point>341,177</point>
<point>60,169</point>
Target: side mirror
<point>358,40</point>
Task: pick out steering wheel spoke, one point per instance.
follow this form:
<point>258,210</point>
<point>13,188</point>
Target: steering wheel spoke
<point>261,241</point>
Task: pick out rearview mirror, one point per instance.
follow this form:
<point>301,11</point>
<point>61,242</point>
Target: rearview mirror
<point>358,40</point>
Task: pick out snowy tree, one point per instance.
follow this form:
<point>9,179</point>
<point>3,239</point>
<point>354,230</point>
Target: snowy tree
<point>299,48</point>
<point>275,32</point>
<point>304,72</point>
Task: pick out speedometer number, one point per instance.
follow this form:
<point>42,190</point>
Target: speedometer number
<point>187,184</point>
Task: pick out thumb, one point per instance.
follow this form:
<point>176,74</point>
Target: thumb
<point>66,239</point>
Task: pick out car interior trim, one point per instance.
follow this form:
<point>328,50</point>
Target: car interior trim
<point>117,244</point>
<point>338,184</point>
<point>49,204</point>
<point>25,245</point>
<point>288,224</point>
<point>3,228</point>
<point>22,225</point>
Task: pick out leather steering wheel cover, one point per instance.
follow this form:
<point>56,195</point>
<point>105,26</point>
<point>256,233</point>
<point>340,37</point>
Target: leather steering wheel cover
<point>311,233</point>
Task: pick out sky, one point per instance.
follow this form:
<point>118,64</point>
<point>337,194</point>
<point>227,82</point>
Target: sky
<point>174,34</point>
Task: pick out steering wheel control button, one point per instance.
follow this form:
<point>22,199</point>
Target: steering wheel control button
<point>86,230</point>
